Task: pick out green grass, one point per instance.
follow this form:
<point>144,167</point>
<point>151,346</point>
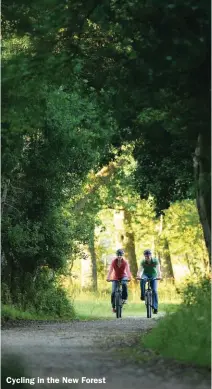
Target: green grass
<point>97,305</point>
<point>9,312</point>
<point>92,307</point>
<point>185,335</point>
<point>13,313</point>
<point>87,307</point>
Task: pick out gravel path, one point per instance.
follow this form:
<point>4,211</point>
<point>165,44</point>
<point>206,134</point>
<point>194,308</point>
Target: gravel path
<point>92,349</point>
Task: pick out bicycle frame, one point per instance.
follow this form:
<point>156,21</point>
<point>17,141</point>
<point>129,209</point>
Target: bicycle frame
<point>118,298</point>
<point>148,296</point>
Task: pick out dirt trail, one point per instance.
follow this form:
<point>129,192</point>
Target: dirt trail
<point>89,349</point>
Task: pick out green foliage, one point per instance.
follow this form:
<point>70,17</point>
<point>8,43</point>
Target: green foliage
<point>41,296</point>
<point>159,104</point>
<point>188,329</point>
<point>165,167</point>
<point>5,294</point>
<point>54,131</point>
<point>53,303</point>
<point>185,235</point>
<point>79,81</point>
<point>9,312</point>
<point>191,292</point>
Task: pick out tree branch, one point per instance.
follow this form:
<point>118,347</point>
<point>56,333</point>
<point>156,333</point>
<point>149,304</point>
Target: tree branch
<point>101,178</point>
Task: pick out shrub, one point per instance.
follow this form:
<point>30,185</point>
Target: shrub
<point>186,334</point>
<point>42,295</point>
<point>192,292</point>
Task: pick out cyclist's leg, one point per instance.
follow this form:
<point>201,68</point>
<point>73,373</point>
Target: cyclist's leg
<point>142,285</point>
<point>154,286</point>
<point>124,288</point>
<point>114,283</point>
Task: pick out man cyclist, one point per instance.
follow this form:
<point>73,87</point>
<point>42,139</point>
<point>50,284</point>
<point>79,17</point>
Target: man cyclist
<point>120,270</point>
<point>150,268</point>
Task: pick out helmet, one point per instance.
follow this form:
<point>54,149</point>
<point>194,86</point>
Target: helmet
<point>147,252</point>
<point>120,252</point>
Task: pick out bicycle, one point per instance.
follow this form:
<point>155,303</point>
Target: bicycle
<point>118,298</point>
<point>148,297</point>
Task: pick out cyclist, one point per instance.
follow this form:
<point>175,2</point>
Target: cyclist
<point>150,268</point>
<point>120,270</point>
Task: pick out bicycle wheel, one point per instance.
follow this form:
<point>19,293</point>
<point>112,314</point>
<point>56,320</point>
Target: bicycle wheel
<point>118,306</point>
<point>149,305</point>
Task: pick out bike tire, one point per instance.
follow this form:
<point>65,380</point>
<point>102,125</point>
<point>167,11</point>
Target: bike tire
<point>118,306</point>
<point>149,306</point>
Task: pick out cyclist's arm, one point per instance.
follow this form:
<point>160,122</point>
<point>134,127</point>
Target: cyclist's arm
<point>159,274</point>
<point>128,270</point>
<point>140,271</point>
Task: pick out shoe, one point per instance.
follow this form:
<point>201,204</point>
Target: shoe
<point>155,311</point>
<point>114,310</point>
<point>142,298</point>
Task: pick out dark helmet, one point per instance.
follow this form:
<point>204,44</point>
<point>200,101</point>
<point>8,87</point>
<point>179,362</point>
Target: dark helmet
<point>147,252</point>
<point>120,252</point>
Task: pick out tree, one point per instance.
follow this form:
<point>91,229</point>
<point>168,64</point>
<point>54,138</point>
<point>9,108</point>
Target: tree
<point>51,123</point>
<point>129,242</point>
<point>81,80</point>
<point>170,93</point>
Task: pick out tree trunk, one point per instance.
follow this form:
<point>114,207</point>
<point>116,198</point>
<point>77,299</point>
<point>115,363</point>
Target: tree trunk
<point>4,195</point>
<point>168,269</point>
<point>203,195</point>
<point>93,261</point>
<point>3,258</point>
<point>205,259</point>
<point>164,252</point>
<point>129,243</point>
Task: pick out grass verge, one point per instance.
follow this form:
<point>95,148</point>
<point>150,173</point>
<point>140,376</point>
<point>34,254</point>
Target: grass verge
<point>97,308</point>
<point>86,309</point>
<point>9,312</point>
<point>185,335</point>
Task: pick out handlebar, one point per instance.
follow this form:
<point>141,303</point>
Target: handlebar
<point>150,279</point>
<point>118,280</point>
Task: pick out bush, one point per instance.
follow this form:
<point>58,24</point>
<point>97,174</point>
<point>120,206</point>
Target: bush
<point>53,301</point>
<point>5,294</point>
<point>192,292</point>
<point>42,295</point>
<point>186,334</point>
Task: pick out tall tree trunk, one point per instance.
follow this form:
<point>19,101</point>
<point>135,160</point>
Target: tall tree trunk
<point>203,193</point>
<point>5,188</point>
<point>3,258</point>
<point>164,255</point>
<point>93,260</point>
<point>205,259</point>
<point>168,268</point>
<point>129,243</point>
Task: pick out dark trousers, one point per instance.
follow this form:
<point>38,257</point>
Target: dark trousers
<point>124,290</point>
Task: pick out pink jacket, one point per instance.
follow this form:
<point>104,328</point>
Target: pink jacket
<point>117,271</point>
